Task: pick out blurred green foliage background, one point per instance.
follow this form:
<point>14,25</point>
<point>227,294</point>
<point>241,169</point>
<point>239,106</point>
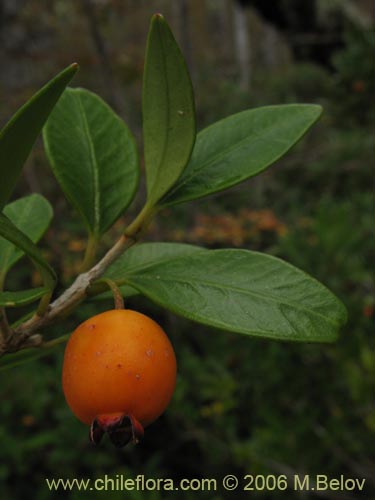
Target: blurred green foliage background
<point>241,405</point>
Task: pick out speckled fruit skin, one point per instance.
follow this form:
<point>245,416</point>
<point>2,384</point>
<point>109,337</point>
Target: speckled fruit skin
<point>119,362</point>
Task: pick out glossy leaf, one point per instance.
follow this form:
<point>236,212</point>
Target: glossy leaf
<point>138,258</point>
<point>11,233</point>
<point>241,146</point>
<point>141,256</point>
<point>19,134</point>
<point>245,292</point>
<point>93,156</point>
<point>168,111</point>
<point>22,298</point>
<point>32,215</point>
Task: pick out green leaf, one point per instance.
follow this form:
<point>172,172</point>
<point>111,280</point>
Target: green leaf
<point>141,256</point>
<point>19,134</point>
<point>245,292</point>
<point>97,292</point>
<point>241,146</point>
<point>93,156</point>
<point>138,257</point>
<point>11,233</point>
<point>22,298</point>
<point>32,215</point>
<point>168,111</point>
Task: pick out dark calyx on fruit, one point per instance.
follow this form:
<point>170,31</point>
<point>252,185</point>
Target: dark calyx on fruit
<point>121,429</point>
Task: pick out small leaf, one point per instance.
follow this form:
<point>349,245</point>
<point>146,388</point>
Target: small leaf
<point>32,215</point>
<point>11,233</point>
<point>93,156</point>
<point>241,146</point>
<point>19,134</point>
<point>168,111</point>
<point>245,292</point>
<point>22,298</point>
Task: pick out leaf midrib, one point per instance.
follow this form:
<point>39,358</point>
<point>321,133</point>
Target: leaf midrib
<point>94,167</point>
<point>242,291</point>
<point>168,116</point>
<point>226,326</point>
<point>219,156</point>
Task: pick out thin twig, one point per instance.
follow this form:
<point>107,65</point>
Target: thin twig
<point>5,331</point>
<point>76,293</point>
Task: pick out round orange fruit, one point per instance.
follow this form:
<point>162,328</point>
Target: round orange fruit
<point>119,374</point>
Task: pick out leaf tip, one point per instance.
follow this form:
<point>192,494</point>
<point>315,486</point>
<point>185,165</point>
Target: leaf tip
<point>157,18</point>
<point>317,110</point>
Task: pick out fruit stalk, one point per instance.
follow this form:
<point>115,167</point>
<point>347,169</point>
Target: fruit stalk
<point>118,298</point>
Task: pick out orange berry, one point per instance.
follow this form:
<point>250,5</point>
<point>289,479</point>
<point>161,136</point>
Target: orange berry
<point>119,374</point>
